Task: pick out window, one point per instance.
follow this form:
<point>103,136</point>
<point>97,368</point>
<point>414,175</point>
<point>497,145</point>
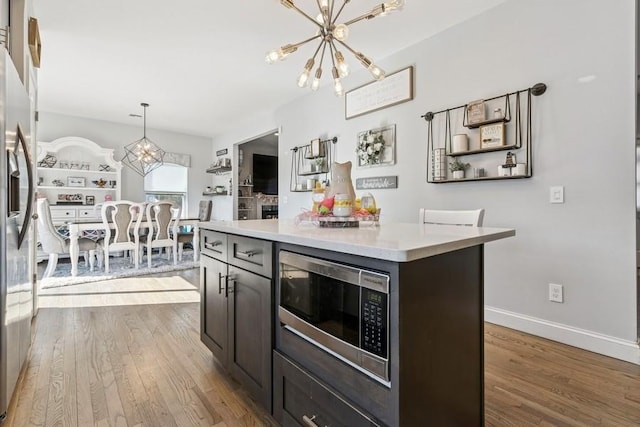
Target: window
<point>168,182</point>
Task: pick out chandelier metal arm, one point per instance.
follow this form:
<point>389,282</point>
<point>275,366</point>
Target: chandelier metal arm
<point>376,11</point>
<point>322,43</point>
<point>331,50</point>
<point>324,47</point>
<point>335,18</point>
<point>303,13</point>
<point>297,45</point>
<point>355,53</point>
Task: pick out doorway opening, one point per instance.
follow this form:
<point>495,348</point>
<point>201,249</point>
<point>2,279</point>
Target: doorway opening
<point>256,191</point>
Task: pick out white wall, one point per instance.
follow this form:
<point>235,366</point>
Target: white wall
<point>584,139</point>
<point>116,136</point>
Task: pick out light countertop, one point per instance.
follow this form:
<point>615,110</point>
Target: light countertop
<point>400,242</point>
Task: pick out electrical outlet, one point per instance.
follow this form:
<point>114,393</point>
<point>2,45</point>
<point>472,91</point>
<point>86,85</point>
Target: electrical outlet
<point>556,194</point>
<point>556,293</point>
<point>285,200</point>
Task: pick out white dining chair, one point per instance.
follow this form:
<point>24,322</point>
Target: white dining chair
<point>125,217</point>
<point>472,218</point>
<point>164,218</point>
<point>54,244</point>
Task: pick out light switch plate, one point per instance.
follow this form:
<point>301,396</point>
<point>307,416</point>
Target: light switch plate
<point>556,194</point>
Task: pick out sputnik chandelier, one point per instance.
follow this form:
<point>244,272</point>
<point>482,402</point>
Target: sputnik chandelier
<point>331,35</point>
<point>143,155</point>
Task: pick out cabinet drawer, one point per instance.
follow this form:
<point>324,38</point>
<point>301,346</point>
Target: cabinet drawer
<point>301,400</point>
<point>63,213</point>
<point>251,254</point>
<point>214,244</point>
<point>87,213</point>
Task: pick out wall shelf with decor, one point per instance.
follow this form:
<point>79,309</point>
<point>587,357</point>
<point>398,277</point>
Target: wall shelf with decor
<point>219,169</point>
<point>488,133</point>
<point>311,163</point>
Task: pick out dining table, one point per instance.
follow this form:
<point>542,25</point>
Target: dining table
<point>78,226</point>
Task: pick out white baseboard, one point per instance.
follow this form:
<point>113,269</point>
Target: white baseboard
<point>587,340</point>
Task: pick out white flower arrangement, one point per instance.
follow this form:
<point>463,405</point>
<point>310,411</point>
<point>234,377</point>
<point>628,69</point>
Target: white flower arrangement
<point>370,147</point>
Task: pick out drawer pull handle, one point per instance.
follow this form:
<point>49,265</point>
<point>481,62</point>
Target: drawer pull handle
<point>212,244</point>
<point>248,254</point>
<point>219,283</point>
<point>309,421</point>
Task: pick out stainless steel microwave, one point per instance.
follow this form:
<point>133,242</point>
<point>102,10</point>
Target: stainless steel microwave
<point>341,309</point>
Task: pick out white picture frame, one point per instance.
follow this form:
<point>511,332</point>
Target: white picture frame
<point>387,156</point>
<point>394,89</point>
<point>492,136</point>
<point>76,181</point>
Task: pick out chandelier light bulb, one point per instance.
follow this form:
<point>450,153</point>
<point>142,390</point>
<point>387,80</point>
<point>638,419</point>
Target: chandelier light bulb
<point>341,32</point>
<point>390,6</point>
<point>376,72</point>
<point>337,84</point>
<point>304,76</point>
<point>320,19</point>
<point>343,67</point>
<point>316,81</point>
<point>272,57</point>
<point>303,79</point>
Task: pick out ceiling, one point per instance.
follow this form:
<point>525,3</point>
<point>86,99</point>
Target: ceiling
<point>200,63</point>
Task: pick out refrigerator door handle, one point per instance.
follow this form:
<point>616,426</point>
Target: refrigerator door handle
<point>30,192</point>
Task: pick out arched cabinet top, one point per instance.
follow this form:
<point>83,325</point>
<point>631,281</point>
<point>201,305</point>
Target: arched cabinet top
<point>75,142</point>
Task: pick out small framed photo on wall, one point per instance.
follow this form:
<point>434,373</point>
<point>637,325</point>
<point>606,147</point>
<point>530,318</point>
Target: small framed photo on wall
<point>90,200</point>
<point>492,135</point>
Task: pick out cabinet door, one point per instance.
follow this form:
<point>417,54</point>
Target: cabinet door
<point>213,307</point>
<point>250,332</point>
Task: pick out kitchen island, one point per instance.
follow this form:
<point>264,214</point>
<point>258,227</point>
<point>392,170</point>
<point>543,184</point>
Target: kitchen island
<point>427,367</point>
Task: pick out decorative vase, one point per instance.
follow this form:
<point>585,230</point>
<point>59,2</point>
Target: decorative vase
<point>460,143</point>
<point>458,174</point>
<point>341,182</point>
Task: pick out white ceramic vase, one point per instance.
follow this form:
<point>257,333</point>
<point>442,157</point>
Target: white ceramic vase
<point>458,174</point>
<point>460,143</point>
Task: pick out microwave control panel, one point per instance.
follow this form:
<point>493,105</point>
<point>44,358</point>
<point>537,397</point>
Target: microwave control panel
<point>373,328</point>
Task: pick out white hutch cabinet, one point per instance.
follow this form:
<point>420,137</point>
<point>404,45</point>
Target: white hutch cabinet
<point>76,174</point>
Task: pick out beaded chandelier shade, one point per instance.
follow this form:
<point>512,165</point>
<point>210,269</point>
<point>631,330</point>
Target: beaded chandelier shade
<point>143,155</point>
<point>330,37</point>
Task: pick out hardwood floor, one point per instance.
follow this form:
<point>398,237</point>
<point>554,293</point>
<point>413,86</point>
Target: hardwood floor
<point>128,353</point>
<point>534,381</point>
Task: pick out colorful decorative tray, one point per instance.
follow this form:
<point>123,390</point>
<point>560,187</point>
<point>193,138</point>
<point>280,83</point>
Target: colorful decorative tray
<point>331,221</point>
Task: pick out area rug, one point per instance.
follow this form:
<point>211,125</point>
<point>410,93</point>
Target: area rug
<point>118,268</point>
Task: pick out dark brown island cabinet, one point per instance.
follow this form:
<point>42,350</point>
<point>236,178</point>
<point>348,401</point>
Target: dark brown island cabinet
<point>409,318</point>
<point>236,314</point>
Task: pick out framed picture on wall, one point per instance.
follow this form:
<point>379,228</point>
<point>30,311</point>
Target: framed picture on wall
<point>90,200</point>
<point>376,147</point>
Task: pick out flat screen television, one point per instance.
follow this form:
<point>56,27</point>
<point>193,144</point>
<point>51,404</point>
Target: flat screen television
<point>265,174</point>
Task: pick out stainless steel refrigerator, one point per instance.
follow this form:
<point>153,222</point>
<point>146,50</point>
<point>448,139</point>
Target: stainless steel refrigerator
<point>16,203</point>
